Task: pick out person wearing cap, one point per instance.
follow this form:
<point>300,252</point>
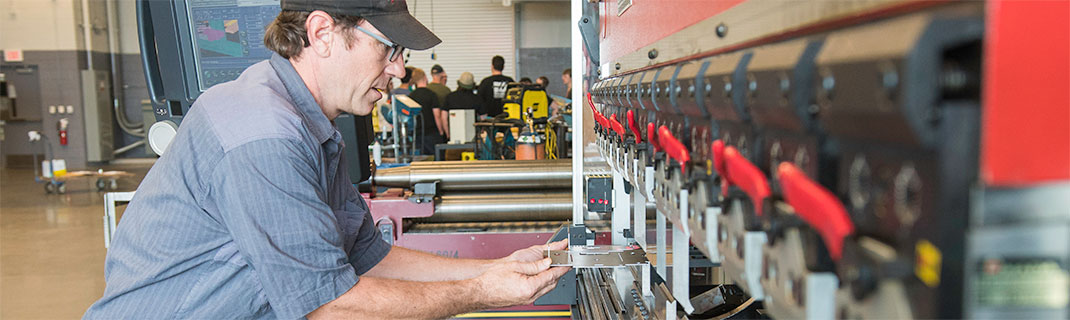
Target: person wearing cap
<point>251,212</point>
<point>464,98</point>
<point>438,83</point>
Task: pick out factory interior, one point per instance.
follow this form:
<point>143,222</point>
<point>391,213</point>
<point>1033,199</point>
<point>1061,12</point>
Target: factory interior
<point>702,159</point>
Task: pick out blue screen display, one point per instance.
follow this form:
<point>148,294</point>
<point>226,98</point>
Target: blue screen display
<point>228,36</point>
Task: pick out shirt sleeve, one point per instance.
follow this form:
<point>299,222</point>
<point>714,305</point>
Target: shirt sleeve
<point>271,202</point>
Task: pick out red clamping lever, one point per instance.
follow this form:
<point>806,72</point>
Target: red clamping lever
<point>634,127</point>
<point>718,164</point>
<point>650,133</point>
<point>817,206</point>
<point>598,118</point>
<point>718,158</point>
<point>674,148</point>
<point>616,126</point>
<point>743,173</point>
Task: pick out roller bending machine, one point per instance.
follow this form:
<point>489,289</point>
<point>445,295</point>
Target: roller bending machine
<point>838,159</point>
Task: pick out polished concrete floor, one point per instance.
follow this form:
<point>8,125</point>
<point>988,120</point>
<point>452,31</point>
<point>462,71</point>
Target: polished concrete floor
<point>52,246</point>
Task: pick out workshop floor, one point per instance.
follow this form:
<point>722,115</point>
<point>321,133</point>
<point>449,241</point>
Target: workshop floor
<point>52,246</point>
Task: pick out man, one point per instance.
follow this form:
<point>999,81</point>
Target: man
<point>250,213</point>
<point>438,84</point>
<point>463,98</point>
<point>566,78</point>
<point>543,81</point>
<point>431,114</point>
<point>525,81</point>
<point>492,89</point>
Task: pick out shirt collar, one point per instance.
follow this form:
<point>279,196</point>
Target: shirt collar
<point>317,122</point>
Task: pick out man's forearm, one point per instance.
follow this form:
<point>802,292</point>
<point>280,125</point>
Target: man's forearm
<point>408,264</point>
<point>378,298</point>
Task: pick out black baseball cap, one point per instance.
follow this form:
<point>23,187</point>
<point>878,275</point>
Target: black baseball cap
<point>391,17</point>
<point>436,69</point>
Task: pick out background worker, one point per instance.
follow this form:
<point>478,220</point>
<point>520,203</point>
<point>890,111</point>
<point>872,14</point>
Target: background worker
<point>492,89</point>
<point>464,98</point>
<point>438,84</point>
<point>429,127</point>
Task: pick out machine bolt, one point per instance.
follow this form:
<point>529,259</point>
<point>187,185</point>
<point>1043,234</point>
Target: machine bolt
<point>653,53</point>
<point>721,30</point>
<point>617,66</point>
<point>586,20</point>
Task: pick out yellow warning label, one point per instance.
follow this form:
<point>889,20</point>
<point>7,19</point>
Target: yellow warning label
<point>927,263</point>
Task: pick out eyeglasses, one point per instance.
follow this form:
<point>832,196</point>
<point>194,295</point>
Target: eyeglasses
<point>395,49</point>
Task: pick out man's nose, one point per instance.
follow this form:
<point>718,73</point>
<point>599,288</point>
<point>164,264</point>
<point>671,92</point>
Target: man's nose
<point>396,68</point>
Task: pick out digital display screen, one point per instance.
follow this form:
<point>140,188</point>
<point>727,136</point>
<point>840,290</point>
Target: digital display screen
<point>228,36</point>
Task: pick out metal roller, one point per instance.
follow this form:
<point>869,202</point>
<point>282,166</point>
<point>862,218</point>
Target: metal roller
<point>505,207</point>
<point>518,175</point>
<point>490,163</point>
<point>500,208</point>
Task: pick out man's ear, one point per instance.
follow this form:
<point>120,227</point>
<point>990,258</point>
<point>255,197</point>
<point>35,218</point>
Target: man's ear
<point>319,27</point>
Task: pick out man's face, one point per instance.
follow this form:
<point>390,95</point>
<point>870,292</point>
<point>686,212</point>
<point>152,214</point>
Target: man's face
<point>567,79</point>
<point>359,74</point>
<point>441,77</point>
<point>540,82</point>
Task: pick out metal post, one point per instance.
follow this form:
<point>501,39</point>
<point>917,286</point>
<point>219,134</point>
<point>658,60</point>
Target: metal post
<point>621,209</point>
<point>577,114</point>
<point>660,231</point>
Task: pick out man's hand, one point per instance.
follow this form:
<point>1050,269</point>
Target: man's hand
<point>536,252</point>
<point>511,283</point>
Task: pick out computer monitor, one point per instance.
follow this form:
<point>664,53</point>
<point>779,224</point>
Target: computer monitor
<point>228,37</point>
<point>188,46</point>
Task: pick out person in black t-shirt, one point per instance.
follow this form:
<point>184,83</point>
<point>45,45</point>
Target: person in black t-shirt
<point>492,89</point>
<point>429,134</point>
<point>464,97</point>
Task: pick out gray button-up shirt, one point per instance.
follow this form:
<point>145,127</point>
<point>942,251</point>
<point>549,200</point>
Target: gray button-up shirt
<point>249,214</point>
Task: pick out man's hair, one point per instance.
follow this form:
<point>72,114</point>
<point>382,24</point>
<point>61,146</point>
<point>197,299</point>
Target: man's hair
<point>287,35</point>
<point>417,75</point>
<point>498,63</point>
<point>568,72</point>
<point>525,80</point>
<point>544,80</point>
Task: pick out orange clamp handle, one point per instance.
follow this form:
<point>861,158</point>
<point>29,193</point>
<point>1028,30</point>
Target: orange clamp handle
<point>635,128</point>
<point>743,173</point>
<point>817,206</point>
<point>616,126</point>
<point>650,132</point>
<point>676,150</point>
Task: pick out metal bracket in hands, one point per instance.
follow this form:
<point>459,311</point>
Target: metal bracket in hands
<point>565,292</point>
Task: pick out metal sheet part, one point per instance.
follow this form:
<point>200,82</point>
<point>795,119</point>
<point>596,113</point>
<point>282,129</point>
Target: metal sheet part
<point>597,256</point>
